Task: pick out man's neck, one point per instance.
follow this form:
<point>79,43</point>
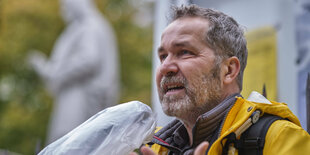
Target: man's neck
<point>189,128</point>
<point>223,106</point>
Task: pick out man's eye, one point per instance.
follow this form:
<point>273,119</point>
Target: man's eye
<point>163,57</point>
<point>186,52</point>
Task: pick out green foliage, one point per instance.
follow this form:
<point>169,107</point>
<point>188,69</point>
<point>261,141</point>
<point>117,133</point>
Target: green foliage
<point>25,105</point>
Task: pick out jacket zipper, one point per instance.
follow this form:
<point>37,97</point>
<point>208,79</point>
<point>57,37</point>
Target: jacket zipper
<point>222,123</point>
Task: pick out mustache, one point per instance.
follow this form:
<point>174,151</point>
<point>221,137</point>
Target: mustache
<point>172,79</point>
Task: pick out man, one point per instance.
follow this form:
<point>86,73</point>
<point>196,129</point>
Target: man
<point>203,55</point>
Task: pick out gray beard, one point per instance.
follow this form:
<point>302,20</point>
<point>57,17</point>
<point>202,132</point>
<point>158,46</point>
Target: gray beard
<point>202,96</point>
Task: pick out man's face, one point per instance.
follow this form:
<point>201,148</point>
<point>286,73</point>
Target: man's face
<point>188,78</point>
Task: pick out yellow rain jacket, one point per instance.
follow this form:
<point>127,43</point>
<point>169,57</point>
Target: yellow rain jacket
<point>283,137</point>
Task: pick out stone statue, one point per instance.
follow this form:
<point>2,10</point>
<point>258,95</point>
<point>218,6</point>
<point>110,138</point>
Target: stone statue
<point>82,72</point>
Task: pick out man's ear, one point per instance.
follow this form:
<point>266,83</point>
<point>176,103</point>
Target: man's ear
<point>230,69</point>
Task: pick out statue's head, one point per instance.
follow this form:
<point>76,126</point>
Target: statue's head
<point>74,9</point>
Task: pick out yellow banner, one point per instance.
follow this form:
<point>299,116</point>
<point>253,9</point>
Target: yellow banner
<point>262,63</point>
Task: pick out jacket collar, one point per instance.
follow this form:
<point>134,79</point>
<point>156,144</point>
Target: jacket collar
<point>174,135</point>
<point>207,123</point>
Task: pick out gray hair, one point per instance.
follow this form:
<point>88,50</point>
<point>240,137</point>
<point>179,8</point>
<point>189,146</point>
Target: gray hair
<point>224,35</point>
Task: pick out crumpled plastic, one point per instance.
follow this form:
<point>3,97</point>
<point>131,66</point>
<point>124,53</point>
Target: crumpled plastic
<point>116,130</point>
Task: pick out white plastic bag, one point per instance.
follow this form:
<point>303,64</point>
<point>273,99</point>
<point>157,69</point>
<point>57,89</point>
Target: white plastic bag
<point>116,130</point>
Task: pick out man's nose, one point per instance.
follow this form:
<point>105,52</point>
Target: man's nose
<point>169,67</point>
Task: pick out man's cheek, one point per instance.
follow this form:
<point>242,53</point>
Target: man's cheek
<point>158,79</point>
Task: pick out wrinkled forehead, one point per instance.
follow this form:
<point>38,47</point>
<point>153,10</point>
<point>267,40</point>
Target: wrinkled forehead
<point>187,25</point>
<point>185,29</point>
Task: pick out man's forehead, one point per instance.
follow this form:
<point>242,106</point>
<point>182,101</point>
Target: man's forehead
<point>187,25</point>
<point>188,22</point>
<point>183,31</point>
<point>179,42</point>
